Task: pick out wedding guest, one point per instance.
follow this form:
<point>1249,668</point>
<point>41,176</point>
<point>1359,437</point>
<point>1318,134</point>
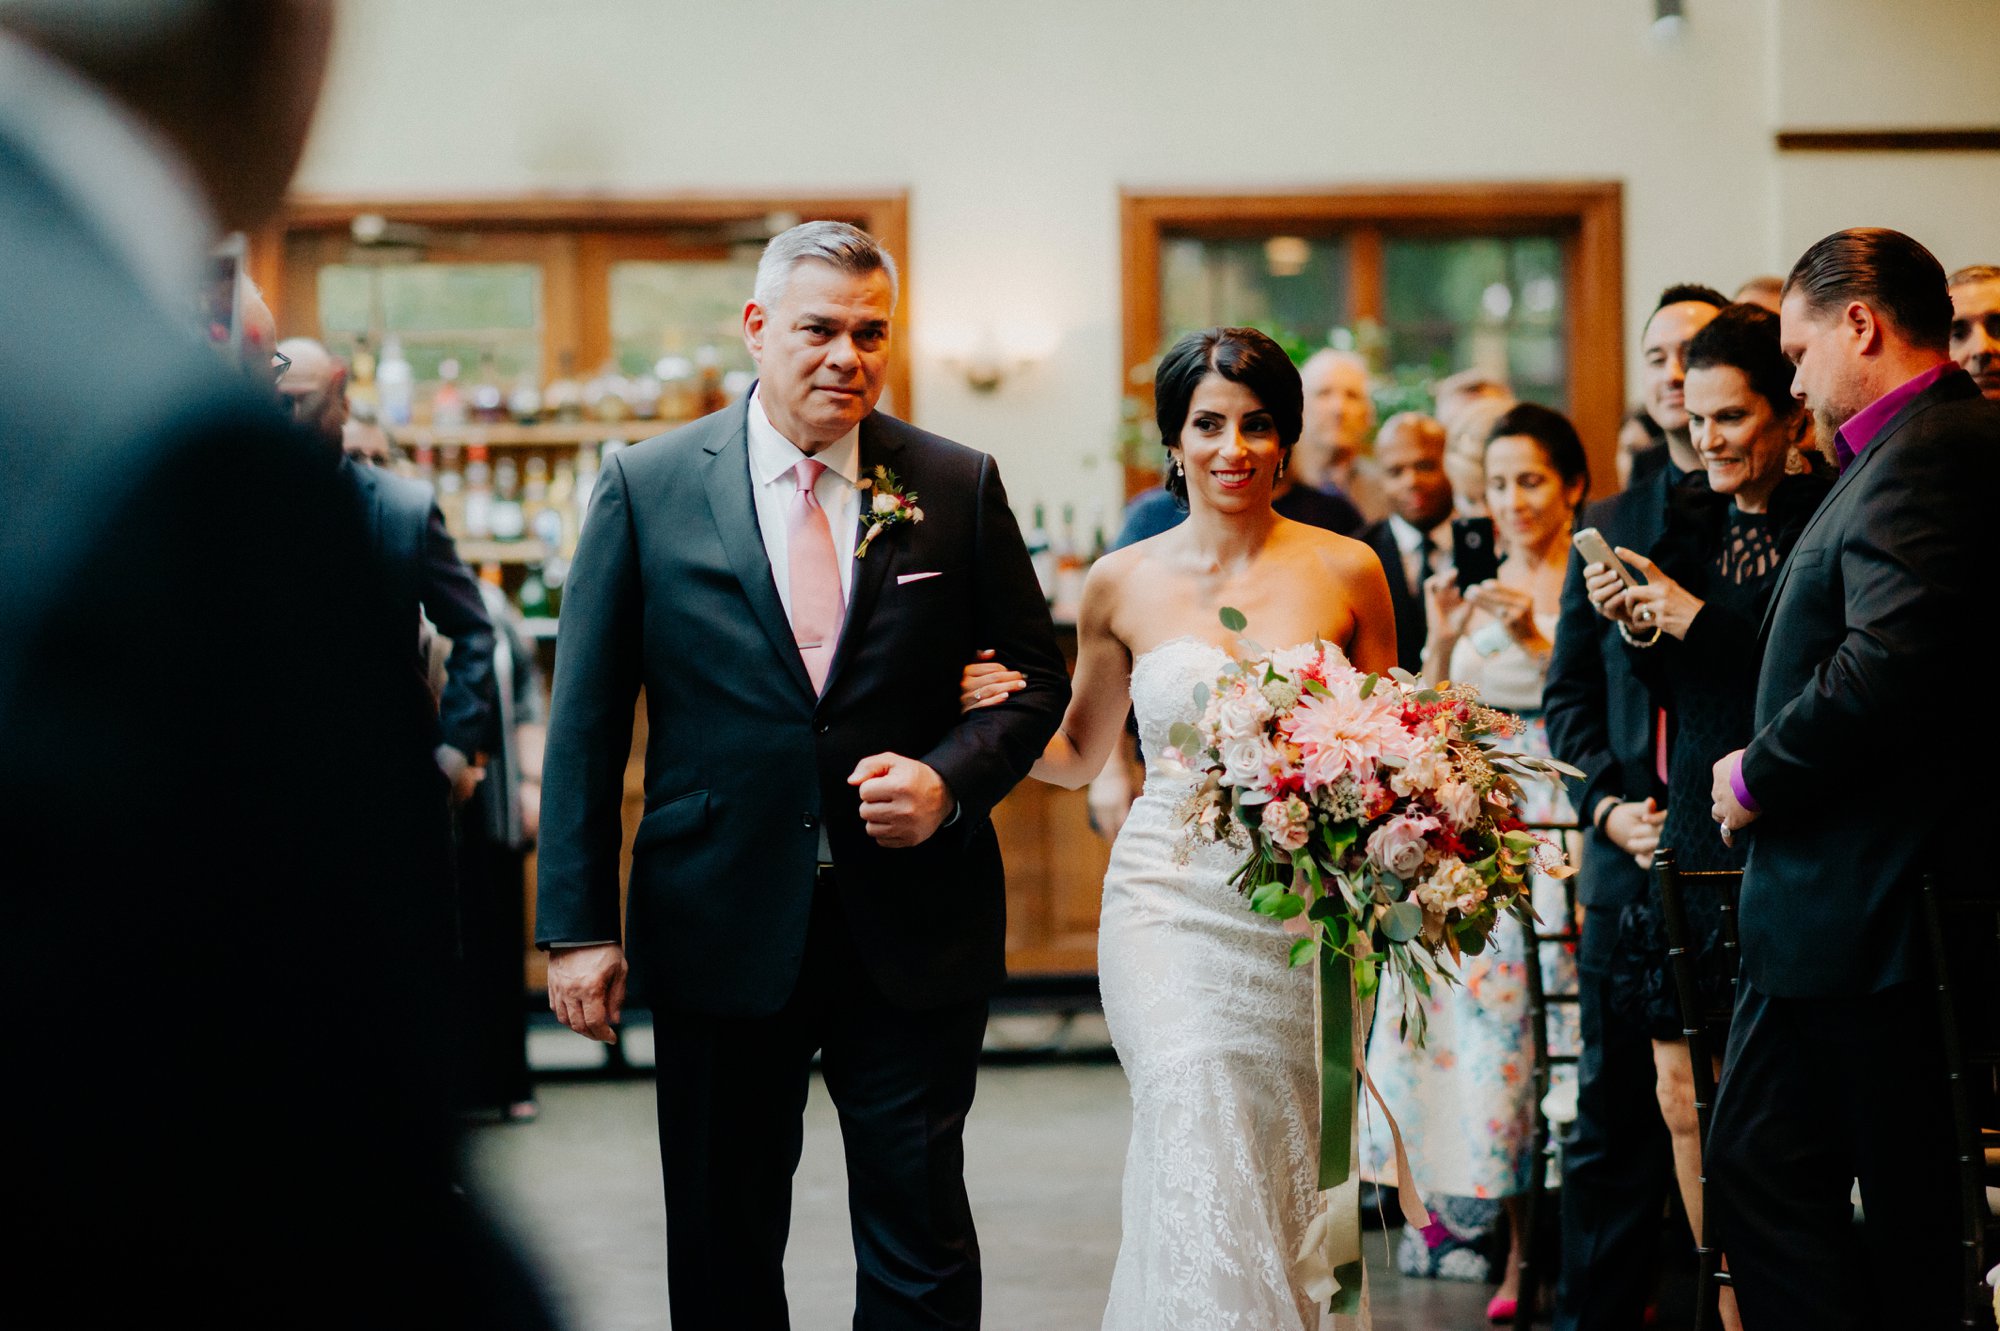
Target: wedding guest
<point>496,829</point>
<point>1465,452</point>
<point>1851,787</point>
<point>1455,392</point>
<point>1640,441</point>
<point>1155,511</point>
<point>1975,326</point>
<point>1691,633</point>
<point>1617,1165</point>
<point>1465,1100</point>
<point>1414,541</point>
<point>222,1102</point>
<point>1761,291</point>
<point>1340,417</point>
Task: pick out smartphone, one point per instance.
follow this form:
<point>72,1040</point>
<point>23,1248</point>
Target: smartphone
<point>222,298</point>
<point>1590,543</point>
<point>1474,557</point>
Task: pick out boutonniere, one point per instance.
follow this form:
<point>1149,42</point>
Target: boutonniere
<point>889,505</point>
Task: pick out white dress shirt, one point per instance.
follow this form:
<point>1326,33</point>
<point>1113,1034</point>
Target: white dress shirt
<point>133,188</point>
<point>772,458</point>
<point>1411,542</point>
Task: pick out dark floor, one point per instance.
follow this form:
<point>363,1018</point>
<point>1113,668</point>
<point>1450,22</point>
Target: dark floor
<point>1045,1149</point>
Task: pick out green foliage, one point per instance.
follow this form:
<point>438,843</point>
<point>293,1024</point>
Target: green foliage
<point>1233,619</point>
<point>1403,921</point>
<point>1302,950</point>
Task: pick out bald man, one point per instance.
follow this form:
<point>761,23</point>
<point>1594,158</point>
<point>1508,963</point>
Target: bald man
<point>1414,540</point>
<point>314,387</point>
<point>1339,418</point>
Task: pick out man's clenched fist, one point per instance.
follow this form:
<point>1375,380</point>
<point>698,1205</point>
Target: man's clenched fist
<point>902,801</point>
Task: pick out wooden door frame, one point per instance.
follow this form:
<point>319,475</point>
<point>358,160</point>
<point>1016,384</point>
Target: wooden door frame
<point>1588,214</point>
<point>565,220</point>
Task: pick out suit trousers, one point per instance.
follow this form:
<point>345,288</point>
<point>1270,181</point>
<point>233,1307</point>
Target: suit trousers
<point>732,1092</point>
<point>1816,1093</point>
<point>1617,1164</point>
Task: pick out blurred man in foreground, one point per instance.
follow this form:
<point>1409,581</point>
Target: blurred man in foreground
<point>213,780</point>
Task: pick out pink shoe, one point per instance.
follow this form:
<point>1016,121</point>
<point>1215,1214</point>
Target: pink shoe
<point>1499,1310</point>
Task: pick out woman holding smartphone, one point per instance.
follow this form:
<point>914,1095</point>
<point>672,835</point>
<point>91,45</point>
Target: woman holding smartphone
<point>1465,1100</point>
<point>1691,630</point>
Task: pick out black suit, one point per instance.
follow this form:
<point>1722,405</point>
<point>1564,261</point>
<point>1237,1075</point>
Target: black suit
<point>750,959</point>
<point>1835,1065</point>
<point>425,574</point>
<point>214,788</point>
<point>1617,1164</point>
<point>1411,627</point>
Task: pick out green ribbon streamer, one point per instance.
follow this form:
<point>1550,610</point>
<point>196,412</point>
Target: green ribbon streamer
<point>1336,1068</point>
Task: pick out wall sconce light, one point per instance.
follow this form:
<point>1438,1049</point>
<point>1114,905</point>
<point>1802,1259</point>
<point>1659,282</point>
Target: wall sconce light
<point>988,354</point>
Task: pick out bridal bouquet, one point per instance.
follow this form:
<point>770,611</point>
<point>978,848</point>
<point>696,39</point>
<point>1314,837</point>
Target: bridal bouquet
<point>1378,820</point>
<point>1378,811</point>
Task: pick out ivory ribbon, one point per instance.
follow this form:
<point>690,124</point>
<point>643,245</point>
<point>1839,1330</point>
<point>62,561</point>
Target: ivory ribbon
<point>1328,1266</point>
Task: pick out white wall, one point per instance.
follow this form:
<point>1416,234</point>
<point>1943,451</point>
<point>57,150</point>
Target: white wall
<point>1013,127</point>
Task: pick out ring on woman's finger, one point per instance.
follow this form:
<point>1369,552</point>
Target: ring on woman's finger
<point>1646,613</point>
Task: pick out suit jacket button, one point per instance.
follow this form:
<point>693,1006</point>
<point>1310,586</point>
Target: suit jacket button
<point>811,821</point>
<point>822,728</point>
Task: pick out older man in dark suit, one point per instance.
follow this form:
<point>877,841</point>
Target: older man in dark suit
<point>1855,782</point>
<point>1414,540</point>
<point>796,581</point>
<point>213,773</point>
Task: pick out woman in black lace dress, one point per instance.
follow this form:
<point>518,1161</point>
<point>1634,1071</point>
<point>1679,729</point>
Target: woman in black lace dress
<point>1692,633</point>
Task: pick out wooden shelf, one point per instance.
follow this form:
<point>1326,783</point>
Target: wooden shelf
<point>553,435</point>
<point>474,553</point>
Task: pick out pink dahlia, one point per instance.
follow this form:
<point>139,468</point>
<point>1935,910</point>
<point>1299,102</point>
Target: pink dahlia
<point>1339,732</point>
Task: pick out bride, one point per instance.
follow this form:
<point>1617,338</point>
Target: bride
<point>1215,1032</point>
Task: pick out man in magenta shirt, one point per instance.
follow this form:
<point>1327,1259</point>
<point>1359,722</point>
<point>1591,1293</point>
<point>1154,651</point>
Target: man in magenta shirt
<point>1856,781</point>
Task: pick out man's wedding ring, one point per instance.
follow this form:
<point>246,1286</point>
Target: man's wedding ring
<point>1646,614</point>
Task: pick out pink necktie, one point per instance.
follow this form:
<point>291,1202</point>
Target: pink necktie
<point>817,605</point>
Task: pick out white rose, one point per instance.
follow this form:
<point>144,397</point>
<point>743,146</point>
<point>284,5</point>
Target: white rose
<point>885,503</point>
<point>1427,769</point>
<point>1242,716</point>
<point>1245,760</point>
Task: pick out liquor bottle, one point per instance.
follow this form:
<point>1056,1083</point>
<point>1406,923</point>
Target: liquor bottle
<point>586,481</point>
<point>533,597</point>
<point>1097,546</point>
<point>1040,556</point>
<point>426,459</point>
<point>563,398</point>
<point>364,399</point>
<point>394,384</point>
<point>451,490</point>
<point>447,403</point>
<point>508,520</point>
<point>478,494</point>
<point>1068,554</point>
<point>561,510</point>
<point>708,364</point>
<point>524,404</point>
<point>534,489</point>
<point>488,401</point>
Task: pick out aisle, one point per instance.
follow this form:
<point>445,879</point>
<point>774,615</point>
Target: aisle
<point>1044,1153</point>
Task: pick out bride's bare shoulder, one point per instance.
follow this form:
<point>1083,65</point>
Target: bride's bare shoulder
<point>1342,556</point>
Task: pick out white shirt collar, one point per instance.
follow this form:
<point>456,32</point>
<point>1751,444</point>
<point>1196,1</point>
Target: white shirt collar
<point>1410,540</point>
<point>133,187</point>
<point>772,455</point>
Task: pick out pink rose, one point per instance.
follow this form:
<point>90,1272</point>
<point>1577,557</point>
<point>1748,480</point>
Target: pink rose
<point>1287,822</point>
<point>1399,848</point>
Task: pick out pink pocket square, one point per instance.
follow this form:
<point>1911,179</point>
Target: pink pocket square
<point>902,578</point>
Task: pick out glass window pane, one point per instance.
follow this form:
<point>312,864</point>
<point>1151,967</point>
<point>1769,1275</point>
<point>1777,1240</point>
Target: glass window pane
<point>1496,302</point>
<point>464,311</point>
<point>1292,287</point>
<point>685,309</point>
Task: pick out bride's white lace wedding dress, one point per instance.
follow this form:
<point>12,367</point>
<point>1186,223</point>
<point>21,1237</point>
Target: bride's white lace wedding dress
<point>1216,1036</point>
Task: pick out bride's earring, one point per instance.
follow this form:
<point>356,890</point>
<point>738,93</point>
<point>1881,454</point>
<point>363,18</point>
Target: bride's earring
<point>1281,468</point>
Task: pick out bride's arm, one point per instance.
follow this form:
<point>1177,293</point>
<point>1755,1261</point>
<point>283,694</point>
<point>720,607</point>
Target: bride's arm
<point>1101,691</point>
<point>1373,644</point>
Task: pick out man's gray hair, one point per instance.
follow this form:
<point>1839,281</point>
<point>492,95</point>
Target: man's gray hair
<point>848,248</point>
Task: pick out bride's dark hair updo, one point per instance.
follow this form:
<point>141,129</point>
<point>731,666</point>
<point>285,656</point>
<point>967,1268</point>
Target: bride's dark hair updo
<point>1240,355</point>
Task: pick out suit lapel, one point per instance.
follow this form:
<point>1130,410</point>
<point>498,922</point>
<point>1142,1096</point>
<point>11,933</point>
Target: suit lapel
<point>879,447</point>
<point>735,512</point>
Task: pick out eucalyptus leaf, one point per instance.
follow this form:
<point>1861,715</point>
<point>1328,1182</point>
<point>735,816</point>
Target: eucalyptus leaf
<point>1201,696</point>
<point>1233,619</point>
<point>1403,677</point>
<point>1317,689</point>
<point>1253,797</point>
<point>1403,921</point>
<point>1368,686</point>
<point>1430,696</point>
<point>1182,734</point>
<point>1302,950</point>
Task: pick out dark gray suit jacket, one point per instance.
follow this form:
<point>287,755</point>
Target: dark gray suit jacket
<point>671,591</point>
<point>424,572</point>
<point>221,836</point>
<point>1600,716</point>
<point>1868,756</point>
